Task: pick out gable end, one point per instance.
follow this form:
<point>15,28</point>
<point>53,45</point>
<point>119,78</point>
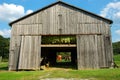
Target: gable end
<point>60,2</point>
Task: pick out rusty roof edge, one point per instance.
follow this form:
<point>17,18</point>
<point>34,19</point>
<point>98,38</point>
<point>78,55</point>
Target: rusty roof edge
<point>110,21</point>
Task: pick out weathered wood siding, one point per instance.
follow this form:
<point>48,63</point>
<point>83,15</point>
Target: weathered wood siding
<point>94,49</point>
<point>30,53</point>
<point>25,55</point>
<point>15,45</point>
<point>24,51</point>
<point>61,19</point>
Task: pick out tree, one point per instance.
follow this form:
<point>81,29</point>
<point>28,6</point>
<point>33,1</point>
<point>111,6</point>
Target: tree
<point>4,47</point>
<point>116,48</point>
<point>58,39</point>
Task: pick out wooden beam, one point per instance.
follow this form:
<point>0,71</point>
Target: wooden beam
<point>60,34</point>
<point>58,45</point>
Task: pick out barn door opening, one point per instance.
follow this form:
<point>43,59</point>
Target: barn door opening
<point>53,47</point>
<point>63,57</point>
<point>66,59</point>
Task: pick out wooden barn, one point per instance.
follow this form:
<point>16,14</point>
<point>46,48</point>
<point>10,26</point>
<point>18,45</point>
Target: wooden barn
<point>92,49</point>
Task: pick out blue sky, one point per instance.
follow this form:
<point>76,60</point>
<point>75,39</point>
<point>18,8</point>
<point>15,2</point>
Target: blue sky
<point>14,9</point>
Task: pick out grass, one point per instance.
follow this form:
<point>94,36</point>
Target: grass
<point>101,74</point>
<point>117,59</point>
<point>104,74</point>
<point>22,75</point>
<point>3,66</point>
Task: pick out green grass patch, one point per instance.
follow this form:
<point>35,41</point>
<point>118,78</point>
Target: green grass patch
<point>21,75</point>
<point>104,74</point>
<point>117,59</point>
<point>101,74</point>
<point>3,66</point>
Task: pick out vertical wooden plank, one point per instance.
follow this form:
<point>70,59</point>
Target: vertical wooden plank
<point>87,52</point>
<point>30,53</point>
<point>11,54</point>
<point>99,46</point>
<point>14,49</point>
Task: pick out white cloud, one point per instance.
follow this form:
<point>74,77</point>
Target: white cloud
<point>111,9</point>
<point>5,32</point>
<point>10,12</point>
<point>117,32</point>
<point>29,11</point>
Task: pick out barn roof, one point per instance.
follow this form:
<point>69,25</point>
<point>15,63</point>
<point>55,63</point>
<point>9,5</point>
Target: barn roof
<point>60,2</point>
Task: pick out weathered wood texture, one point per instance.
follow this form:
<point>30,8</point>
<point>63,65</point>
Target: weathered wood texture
<point>94,49</point>
<point>29,57</point>
<point>62,45</point>
<point>25,54</point>
<point>15,45</point>
<point>61,19</point>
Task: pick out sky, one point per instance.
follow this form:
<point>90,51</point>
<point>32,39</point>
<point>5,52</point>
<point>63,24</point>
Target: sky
<point>11,10</point>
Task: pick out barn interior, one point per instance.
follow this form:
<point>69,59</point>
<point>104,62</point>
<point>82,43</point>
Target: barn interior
<point>60,51</point>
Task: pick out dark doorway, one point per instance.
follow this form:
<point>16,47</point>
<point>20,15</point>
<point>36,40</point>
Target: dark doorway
<point>52,53</point>
<point>62,46</point>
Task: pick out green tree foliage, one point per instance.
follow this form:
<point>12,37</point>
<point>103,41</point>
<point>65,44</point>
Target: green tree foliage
<point>58,40</point>
<point>4,47</point>
<point>116,48</point>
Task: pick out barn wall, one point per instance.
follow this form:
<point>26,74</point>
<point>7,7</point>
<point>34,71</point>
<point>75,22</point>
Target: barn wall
<point>15,45</point>
<point>93,37</point>
<point>93,51</point>
<point>87,51</point>
<point>24,51</point>
<point>61,19</point>
<point>30,53</point>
